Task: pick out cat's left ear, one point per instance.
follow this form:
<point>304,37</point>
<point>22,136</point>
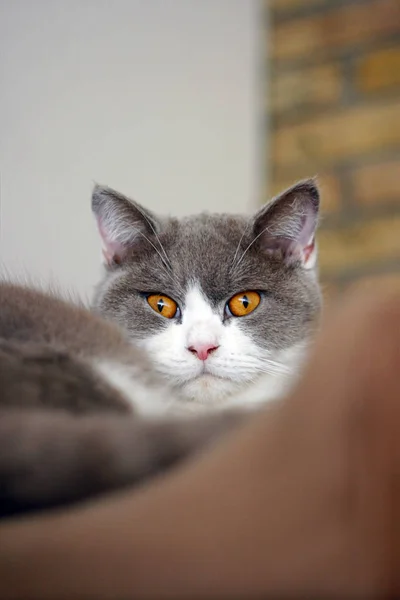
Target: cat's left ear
<point>122,223</point>
<point>288,224</point>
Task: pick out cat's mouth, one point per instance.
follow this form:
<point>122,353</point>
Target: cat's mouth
<point>209,372</point>
<point>208,388</point>
<point>207,375</point>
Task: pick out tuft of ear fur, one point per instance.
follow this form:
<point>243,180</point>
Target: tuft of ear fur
<point>121,223</point>
<point>289,222</point>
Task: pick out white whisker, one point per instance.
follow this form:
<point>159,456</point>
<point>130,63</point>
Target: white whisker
<point>238,247</point>
<point>167,267</point>
<point>155,233</point>
<point>249,246</point>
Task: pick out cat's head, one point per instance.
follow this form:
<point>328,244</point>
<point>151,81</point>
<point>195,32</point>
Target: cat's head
<point>217,300</point>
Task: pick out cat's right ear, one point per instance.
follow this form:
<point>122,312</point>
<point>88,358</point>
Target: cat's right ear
<point>121,223</point>
<point>288,224</point>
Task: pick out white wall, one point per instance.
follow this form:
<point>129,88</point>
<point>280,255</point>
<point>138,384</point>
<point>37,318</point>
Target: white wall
<point>157,98</point>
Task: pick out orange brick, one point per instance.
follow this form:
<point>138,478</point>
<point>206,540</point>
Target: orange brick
<point>325,139</point>
<point>377,183</point>
<point>306,87</point>
<point>379,70</point>
<point>342,27</point>
<point>329,186</point>
<point>362,245</point>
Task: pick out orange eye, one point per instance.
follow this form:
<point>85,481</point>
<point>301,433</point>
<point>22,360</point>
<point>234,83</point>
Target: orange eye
<point>163,305</point>
<point>244,303</point>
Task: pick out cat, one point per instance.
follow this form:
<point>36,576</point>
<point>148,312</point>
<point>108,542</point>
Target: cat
<point>66,432</point>
<point>224,305</point>
<point>210,314</point>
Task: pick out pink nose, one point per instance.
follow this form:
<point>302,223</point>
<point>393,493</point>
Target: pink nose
<point>202,351</point>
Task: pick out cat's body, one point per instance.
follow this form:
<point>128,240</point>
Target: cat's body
<point>209,312</point>
<point>33,321</point>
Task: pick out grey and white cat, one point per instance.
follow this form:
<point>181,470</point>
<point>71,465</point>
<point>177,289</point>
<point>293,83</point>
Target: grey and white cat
<point>209,311</point>
<point>224,305</point>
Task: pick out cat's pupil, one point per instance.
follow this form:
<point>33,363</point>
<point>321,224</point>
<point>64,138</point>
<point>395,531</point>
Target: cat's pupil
<point>160,305</point>
<point>245,302</point>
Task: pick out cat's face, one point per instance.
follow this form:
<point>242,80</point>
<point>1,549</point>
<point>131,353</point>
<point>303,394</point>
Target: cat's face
<point>216,300</point>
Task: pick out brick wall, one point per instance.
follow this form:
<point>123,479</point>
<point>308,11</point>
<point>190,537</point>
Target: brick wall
<point>334,111</point>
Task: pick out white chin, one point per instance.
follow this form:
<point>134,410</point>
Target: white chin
<point>209,390</point>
